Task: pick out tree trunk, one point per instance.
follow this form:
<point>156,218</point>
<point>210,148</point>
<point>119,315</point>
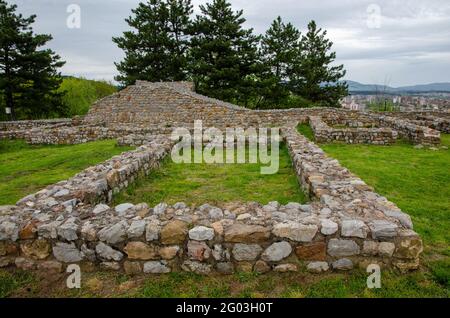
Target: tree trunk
<point>9,93</point>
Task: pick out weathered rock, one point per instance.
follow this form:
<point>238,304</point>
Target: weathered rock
<point>317,267</point>
<point>174,232</point>
<point>156,267</point>
<point>354,228</point>
<point>37,249</point>
<point>49,230</point>
<point>25,264</point>
<point>276,252</point>
<point>328,227</point>
<point>67,253</point>
<point>370,248</point>
<point>196,267</point>
<point>386,249</point>
<point>141,251</point>
<point>114,234</point>
<point>341,248</point>
<point>6,261</point>
<point>295,231</point>
<point>68,230</point>
<point>51,266</point>
<point>201,233</point>
<point>406,265</point>
<point>312,252</point>
<point>246,252</point>
<point>408,247</point>
<point>169,252</point>
<point>198,251</point>
<point>160,208</point>
<point>110,266</point>
<point>107,253</point>
<point>283,268</point>
<point>242,233</point>
<point>29,231</point>
<point>261,267</point>
<point>123,208</point>
<point>88,232</point>
<point>152,231</point>
<point>215,214</point>
<point>7,248</point>
<point>132,268</point>
<point>225,268</point>
<point>100,208</point>
<point>9,231</point>
<point>404,218</point>
<point>383,229</point>
<point>136,229</point>
<point>343,264</point>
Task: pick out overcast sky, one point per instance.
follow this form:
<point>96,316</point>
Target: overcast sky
<point>379,41</point>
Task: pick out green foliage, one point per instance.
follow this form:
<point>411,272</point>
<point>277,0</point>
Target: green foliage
<point>28,75</point>
<point>224,55</point>
<point>311,75</point>
<point>156,50</point>
<point>215,183</point>
<point>279,47</point>
<point>25,169</point>
<point>81,93</point>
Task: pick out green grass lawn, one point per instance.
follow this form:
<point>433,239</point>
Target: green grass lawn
<point>196,184</point>
<point>25,169</point>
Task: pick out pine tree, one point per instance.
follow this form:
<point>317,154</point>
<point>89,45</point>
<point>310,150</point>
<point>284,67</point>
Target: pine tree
<point>312,76</point>
<point>224,54</point>
<point>28,76</point>
<point>279,48</point>
<point>156,50</point>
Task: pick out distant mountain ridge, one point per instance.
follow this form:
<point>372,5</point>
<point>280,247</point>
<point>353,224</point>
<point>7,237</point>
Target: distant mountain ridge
<point>423,88</point>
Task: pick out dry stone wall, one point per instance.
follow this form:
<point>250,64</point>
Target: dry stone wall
<point>377,136</point>
<point>347,224</point>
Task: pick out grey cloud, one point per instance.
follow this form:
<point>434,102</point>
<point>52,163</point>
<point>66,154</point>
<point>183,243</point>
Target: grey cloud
<point>411,46</point>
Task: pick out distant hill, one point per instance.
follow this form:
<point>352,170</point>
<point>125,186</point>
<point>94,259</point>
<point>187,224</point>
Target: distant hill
<point>355,87</point>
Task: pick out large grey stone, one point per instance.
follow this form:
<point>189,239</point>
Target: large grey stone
<point>136,229</point>
<point>123,208</point>
<point>246,252</point>
<point>100,208</point>
<point>295,231</point>
<point>68,230</point>
<point>277,251</point>
<point>340,248</point>
<point>317,267</point>
<point>343,264</point>
<point>382,229</point>
<point>9,231</point>
<point>196,267</point>
<point>160,208</point>
<point>201,233</point>
<point>152,230</point>
<point>328,227</point>
<point>156,267</point>
<point>404,218</point>
<point>354,228</point>
<point>67,253</point>
<point>106,252</point>
<point>114,234</point>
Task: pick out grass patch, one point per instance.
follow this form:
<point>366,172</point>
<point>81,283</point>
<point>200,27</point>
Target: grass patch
<point>12,282</point>
<point>305,130</point>
<point>201,183</point>
<point>25,169</point>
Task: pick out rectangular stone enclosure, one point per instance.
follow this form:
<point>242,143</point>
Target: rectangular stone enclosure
<point>346,224</point>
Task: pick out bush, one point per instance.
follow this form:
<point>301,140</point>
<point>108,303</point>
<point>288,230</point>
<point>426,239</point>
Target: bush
<point>81,93</point>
